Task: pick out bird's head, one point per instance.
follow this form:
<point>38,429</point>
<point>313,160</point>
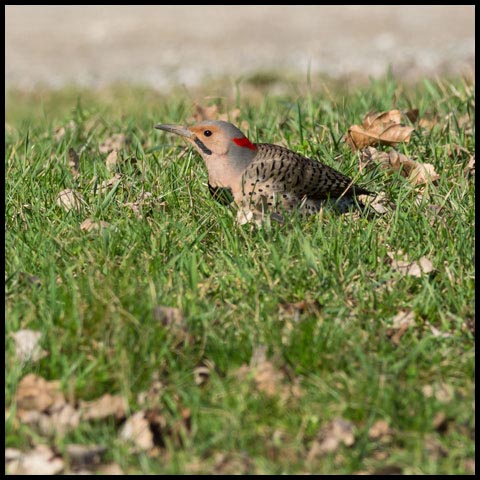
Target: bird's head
<point>224,148</point>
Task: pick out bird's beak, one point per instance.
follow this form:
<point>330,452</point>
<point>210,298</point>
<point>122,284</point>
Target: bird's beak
<point>177,129</point>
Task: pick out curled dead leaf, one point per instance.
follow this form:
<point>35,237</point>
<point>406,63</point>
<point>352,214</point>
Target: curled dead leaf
<point>331,436</point>
<point>383,128</point>
<point>85,456</point>
<point>27,346</point>
<point>36,393</point>
<point>115,142</point>
<point>415,172</point>
<point>88,225</point>
<point>381,431</point>
<point>400,323</point>
<point>39,461</point>
<point>111,160</point>
<point>70,199</point>
<point>105,406</point>
<point>137,430</point>
<point>402,264</point>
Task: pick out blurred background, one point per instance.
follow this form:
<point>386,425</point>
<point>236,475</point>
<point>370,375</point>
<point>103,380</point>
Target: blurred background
<point>162,46</point>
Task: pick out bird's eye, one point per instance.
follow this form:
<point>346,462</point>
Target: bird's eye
<point>207,133</point>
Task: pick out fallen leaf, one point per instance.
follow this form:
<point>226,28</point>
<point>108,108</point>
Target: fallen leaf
<point>380,430</point>
<point>442,392</point>
<point>469,170</point>
<point>383,128</point>
<point>73,162</point>
<point>110,469</point>
<point>438,333</point>
<point>201,374</point>
<point>380,203</point>
<point>70,199</point>
<point>412,114</point>
<point>137,431</point>
<point>35,393</point>
<point>440,422</point>
<point>111,161</point>
<point>429,122</point>
<point>233,464</point>
<point>59,132</point>
<point>416,173</point>
<point>27,346</point>
<point>151,397</point>
<point>407,267</point>
<point>105,406</point>
<point>331,436</point>
<point>85,456</point>
<point>115,142</point>
<point>39,461</point>
<point>88,225</point>
<point>400,323</point>
<point>58,420</point>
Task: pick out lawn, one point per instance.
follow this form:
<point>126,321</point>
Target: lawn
<point>180,342</point>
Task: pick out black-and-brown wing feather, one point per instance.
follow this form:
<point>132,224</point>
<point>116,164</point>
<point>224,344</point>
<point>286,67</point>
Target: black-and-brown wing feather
<point>280,170</point>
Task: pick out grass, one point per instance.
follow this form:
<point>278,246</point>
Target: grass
<point>93,295</point>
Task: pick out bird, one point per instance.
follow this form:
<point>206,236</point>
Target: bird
<point>264,179</point>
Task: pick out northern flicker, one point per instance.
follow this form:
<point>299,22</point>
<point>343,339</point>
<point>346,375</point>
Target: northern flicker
<point>262,178</point>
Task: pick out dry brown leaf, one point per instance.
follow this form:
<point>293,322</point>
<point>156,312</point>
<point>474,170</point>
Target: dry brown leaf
<point>105,406</point>
<point>400,323</point>
<point>27,346</point>
<point>233,464</point>
<point>35,393</point>
<point>331,436</point>
<point>70,199</point>
<point>412,114</point>
<point>438,333</point>
<point>442,392</point>
<point>110,469</point>
<point>88,225</point>
<point>402,264</point>
<point>152,396</point>
<point>429,122</point>
<point>201,374</point>
<point>39,461</point>
<point>111,160</point>
<point>415,172</point>
<point>59,132</point>
<point>73,162</point>
<point>380,430</point>
<point>59,420</point>
<point>469,170</point>
<point>383,128</point>
<point>85,456</point>
<point>380,203</point>
<point>115,142</point>
<point>137,430</point>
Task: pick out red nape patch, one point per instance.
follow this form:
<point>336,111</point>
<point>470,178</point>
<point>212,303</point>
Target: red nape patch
<point>245,142</point>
